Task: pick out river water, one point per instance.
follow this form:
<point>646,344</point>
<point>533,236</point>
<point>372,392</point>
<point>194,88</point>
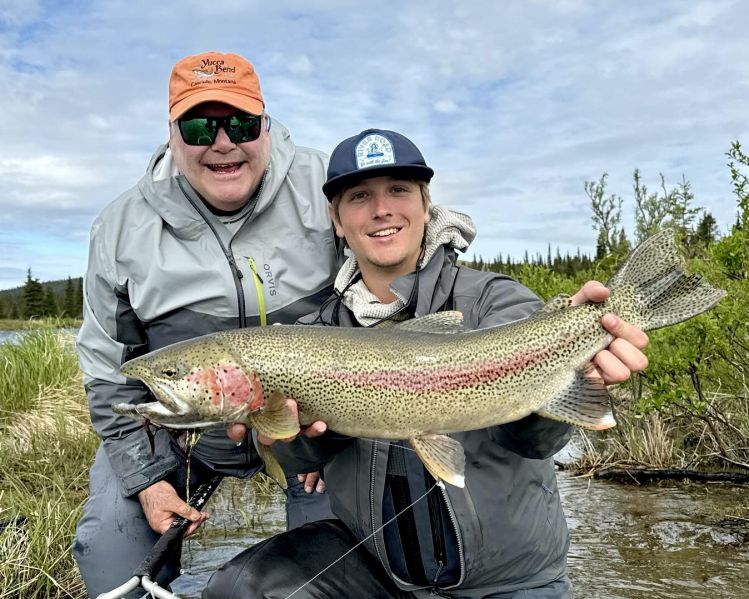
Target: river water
<point>628,542</point>
<point>10,336</point>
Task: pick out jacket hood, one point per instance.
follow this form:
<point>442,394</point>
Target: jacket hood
<point>446,227</point>
<point>172,197</point>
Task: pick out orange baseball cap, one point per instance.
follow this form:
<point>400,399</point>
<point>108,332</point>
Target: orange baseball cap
<point>214,77</point>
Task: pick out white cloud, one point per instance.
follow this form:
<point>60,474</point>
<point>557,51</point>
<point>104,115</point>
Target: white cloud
<point>515,104</point>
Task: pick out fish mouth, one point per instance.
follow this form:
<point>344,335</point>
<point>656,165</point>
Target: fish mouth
<point>168,398</point>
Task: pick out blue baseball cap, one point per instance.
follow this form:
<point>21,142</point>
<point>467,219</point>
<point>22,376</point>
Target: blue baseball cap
<point>374,153</point>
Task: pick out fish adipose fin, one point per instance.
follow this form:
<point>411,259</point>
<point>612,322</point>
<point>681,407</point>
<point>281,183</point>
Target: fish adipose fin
<point>652,288</point>
<point>450,321</point>
<point>443,457</point>
<point>585,402</point>
<point>272,467</point>
<point>275,420</point>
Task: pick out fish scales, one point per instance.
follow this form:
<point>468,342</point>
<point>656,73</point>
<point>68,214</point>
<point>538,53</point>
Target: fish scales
<point>416,380</point>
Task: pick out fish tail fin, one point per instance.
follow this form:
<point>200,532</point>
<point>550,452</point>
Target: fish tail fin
<point>652,288</point>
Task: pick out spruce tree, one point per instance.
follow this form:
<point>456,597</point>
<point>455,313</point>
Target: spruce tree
<point>33,297</point>
<point>69,304</point>
<point>49,307</point>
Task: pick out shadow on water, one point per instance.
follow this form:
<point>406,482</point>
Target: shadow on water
<point>628,542</point>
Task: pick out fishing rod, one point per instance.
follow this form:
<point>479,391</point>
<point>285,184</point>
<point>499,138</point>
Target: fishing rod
<point>169,542</point>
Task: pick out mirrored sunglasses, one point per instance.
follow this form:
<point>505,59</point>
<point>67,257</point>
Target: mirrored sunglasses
<point>202,130</point>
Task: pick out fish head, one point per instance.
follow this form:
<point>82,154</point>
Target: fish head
<point>197,381</point>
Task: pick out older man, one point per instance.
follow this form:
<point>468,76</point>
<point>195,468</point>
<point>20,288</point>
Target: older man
<point>227,228</point>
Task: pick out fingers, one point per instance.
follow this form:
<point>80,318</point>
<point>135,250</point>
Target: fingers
<point>161,504</point>
<point>312,482</point>
<point>592,291</point>
<point>196,524</point>
<point>317,428</point>
<point>236,432</point>
<point>625,331</point>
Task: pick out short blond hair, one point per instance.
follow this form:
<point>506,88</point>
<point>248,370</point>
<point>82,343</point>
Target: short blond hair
<point>426,198</point>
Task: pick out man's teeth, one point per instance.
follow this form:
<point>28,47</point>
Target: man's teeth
<point>384,232</point>
<point>224,167</point>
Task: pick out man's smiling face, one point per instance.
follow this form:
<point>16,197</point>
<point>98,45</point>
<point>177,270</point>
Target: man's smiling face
<point>382,220</point>
<point>225,174</point>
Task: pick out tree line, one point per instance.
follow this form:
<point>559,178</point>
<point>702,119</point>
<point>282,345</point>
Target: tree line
<point>55,299</point>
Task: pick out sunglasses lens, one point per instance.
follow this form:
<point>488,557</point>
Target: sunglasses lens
<point>198,131</point>
<point>202,131</point>
<point>242,129</point>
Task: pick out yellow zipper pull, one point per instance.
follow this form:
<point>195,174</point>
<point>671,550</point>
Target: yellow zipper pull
<point>258,291</point>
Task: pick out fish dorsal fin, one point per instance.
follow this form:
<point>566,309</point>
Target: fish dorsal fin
<point>556,303</point>
<point>272,467</point>
<point>450,321</point>
<point>443,457</point>
<point>585,402</point>
<point>275,420</point>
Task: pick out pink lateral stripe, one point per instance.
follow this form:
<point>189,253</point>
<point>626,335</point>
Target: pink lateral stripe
<point>445,379</point>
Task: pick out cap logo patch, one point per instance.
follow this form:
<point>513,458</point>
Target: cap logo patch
<point>209,71</point>
<point>374,150</point>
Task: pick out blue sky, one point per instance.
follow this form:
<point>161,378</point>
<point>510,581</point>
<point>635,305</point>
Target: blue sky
<point>515,104</point>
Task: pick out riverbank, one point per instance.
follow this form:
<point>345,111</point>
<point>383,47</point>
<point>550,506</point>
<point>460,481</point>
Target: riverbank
<point>33,324</point>
<point>713,440</point>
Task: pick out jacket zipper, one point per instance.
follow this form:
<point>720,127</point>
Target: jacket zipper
<point>372,504</point>
<point>235,272</point>
<point>438,533</point>
<point>454,522</point>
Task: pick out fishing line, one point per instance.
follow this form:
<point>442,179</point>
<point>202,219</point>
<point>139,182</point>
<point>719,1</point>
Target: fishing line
<point>438,483</point>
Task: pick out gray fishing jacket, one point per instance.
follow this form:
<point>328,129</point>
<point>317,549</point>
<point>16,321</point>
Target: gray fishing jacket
<point>508,519</point>
<point>162,268</point>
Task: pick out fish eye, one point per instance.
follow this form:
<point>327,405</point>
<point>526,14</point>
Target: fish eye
<point>169,372</point>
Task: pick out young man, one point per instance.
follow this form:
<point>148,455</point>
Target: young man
<point>504,534</point>
<point>226,229</point>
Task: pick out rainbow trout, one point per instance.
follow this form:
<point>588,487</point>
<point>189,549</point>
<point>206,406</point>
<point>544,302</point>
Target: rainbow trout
<point>421,379</point>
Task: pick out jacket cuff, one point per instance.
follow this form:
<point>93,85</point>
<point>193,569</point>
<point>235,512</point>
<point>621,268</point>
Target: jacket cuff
<point>135,465</point>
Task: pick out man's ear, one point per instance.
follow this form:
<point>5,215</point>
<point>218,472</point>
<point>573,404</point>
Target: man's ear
<point>336,224</point>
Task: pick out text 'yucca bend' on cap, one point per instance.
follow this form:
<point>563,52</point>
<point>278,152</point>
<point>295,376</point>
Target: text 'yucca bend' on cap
<point>214,77</point>
<point>374,153</point>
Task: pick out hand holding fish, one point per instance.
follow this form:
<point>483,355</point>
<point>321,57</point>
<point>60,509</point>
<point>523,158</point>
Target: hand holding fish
<point>623,356</point>
<point>162,505</point>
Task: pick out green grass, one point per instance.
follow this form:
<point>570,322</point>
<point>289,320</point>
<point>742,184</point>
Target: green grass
<point>8,324</point>
<point>46,446</point>
<point>44,358</point>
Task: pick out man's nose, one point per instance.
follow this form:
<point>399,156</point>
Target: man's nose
<point>381,205</point>
<point>222,143</point>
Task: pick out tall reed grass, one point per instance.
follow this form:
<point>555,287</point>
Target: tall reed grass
<point>46,446</point>
<point>43,359</point>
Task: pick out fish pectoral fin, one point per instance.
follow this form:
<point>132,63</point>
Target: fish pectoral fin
<point>443,457</point>
<point>272,467</point>
<point>450,321</point>
<point>275,420</point>
<point>585,402</point>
